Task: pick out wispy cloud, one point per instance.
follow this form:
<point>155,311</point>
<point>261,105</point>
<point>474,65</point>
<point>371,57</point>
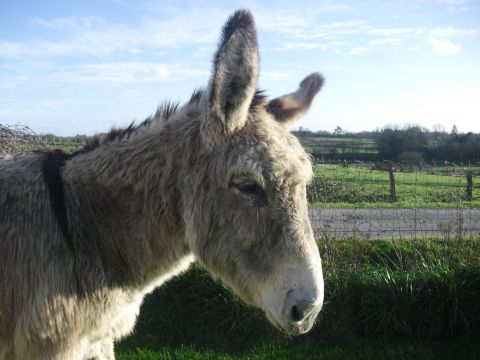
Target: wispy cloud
<point>444,47</point>
<point>119,73</point>
<point>72,23</point>
<point>385,41</point>
<point>456,5</point>
<point>95,36</point>
<point>294,29</point>
<point>454,32</point>
<point>359,50</point>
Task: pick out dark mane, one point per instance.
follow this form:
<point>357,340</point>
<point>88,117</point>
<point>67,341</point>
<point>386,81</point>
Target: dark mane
<point>259,99</point>
<point>112,135</point>
<point>164,112</point>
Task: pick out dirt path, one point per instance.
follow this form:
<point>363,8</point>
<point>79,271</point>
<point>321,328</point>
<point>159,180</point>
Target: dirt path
<point>395,223</point>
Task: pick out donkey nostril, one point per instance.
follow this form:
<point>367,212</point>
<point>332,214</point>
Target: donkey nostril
<point>296,313</point>
<point>299,305</point>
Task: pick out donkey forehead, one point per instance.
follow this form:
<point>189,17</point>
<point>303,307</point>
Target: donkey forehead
<point>268,150</point>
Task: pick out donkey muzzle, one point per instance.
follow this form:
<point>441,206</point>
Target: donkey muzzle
<point>300,310</point>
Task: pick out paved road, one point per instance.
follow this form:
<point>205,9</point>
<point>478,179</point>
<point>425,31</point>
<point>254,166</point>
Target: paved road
<point>395,223</point>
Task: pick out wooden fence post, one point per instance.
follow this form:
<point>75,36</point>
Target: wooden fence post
<point>393,193</point>
<point>469,186</point>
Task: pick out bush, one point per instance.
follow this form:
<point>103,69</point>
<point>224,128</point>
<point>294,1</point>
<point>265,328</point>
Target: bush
<point>17,138</point>
<point>413,157</point>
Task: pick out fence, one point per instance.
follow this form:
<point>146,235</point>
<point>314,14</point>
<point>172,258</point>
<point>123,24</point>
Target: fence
<point>382,200</point>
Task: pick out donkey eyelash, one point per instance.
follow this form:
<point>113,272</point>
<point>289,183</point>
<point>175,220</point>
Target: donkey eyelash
<point>254,191</point>
<point>249,188</point>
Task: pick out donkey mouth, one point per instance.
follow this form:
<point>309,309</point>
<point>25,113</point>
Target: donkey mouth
<point>292,328</point>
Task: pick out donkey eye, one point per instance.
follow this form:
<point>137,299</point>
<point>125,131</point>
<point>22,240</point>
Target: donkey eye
<point>253,190</point>
<point>249,188</point>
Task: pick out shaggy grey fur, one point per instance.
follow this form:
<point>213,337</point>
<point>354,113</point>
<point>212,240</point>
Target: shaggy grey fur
<point>83,237</point>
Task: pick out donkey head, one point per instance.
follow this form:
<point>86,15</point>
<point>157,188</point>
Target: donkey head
<point>248,222</point>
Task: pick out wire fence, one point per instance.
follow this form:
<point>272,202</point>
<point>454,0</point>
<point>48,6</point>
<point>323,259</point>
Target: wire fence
<point>365,199</point>
<point>395,200</point>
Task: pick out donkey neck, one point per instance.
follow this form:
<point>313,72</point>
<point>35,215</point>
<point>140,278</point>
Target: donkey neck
<point>124,206</point>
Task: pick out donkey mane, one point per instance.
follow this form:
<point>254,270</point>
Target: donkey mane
<point>165,111</point>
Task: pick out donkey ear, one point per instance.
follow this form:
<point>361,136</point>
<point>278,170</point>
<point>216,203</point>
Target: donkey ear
<point>287,109</point>
<point>235,74</point>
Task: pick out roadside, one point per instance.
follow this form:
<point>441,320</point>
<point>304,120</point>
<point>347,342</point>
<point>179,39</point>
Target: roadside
<point>395,222</point>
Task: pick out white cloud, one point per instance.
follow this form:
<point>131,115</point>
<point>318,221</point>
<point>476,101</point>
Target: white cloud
<point>95,36</point>
<point>385,41</point>
<point>444,47</point>
<point>297,28</point>
<point>359,50</point>
<point>452,2</point>
<point>72,23</point>
<point>454,32</point>
<point>304,45</point>
<point>274,75</point>
<point>455,6</point>
<point>408,31</point>
<point>118,73</point>
<point>354,69</point>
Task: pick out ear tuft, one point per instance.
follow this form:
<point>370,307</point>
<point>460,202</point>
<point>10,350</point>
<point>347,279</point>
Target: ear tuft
<point>287,109</point>
<point>234,79</point>
<point>240,20</point>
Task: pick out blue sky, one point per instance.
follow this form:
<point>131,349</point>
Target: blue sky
<point>70,67</point>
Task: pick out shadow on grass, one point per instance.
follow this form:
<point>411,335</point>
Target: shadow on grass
<point>376,292</point>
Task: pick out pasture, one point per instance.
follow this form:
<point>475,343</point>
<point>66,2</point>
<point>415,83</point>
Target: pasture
<point>368,185</point>
<point>340,147</point>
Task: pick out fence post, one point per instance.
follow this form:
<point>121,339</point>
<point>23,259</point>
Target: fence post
<point>393,193</point>
<point>469,186</point>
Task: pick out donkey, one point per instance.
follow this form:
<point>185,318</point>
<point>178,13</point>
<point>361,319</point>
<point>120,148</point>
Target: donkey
<point>219,180</point>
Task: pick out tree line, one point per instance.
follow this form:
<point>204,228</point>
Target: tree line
<point>412,143</point>
<point>418,144</point>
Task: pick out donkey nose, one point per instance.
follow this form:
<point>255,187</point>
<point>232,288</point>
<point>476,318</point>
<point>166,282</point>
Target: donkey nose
<point>299,304</point>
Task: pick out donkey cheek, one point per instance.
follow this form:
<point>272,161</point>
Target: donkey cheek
<point>255,264</point>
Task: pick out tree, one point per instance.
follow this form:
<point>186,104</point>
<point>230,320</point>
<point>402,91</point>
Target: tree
<point>438,128</point>
<point>338,131</point>
<point>454,130</point>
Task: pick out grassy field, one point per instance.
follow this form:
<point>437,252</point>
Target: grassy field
<point>383,300</point>
<point>65,146</point>
<point>344,147</point>
<point>364,186</point>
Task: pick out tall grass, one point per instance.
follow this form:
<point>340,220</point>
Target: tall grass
<point>410,289</point>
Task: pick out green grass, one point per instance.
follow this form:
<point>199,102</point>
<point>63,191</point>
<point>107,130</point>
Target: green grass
<point>355,349</point>
<point>65,146</point>
<point>323,139</point>
<point>328,150</point>
<point>359,186</point>
<point>383,299</point>
<point>352,148</point>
